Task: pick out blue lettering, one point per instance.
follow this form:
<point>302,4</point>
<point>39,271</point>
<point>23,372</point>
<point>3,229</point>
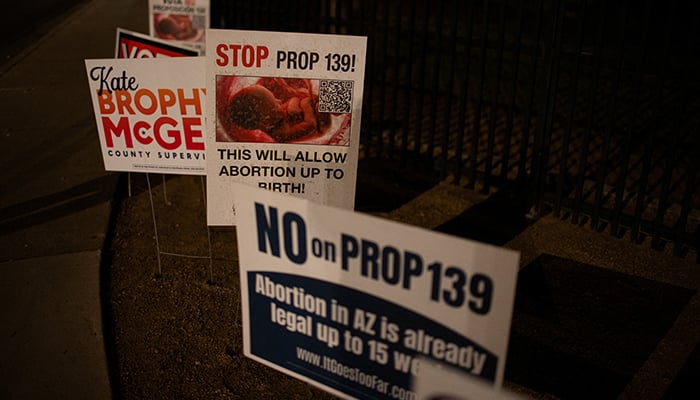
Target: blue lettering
<point>386,263</point>
<point>267,229</point>
<point>370,253</point>
<point>348,249</point>
<point>298,257</point>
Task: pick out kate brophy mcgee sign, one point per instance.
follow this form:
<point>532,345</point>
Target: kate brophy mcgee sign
<point>350,302</point>
<point>284,115</point>
<point>150,113</point>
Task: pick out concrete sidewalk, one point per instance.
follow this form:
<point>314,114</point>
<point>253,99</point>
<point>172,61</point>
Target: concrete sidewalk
<point>55,207</point>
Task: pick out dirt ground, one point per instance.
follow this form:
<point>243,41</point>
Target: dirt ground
<point>174,317</point>
<point>175,322</point>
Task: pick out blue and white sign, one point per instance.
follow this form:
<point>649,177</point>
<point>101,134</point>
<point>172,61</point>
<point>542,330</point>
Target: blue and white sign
<point>350,302</point>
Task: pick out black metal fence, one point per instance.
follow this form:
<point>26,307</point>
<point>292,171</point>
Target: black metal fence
<point>590,106</point>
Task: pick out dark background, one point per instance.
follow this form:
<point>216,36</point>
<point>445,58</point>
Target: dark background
<point>26,21</point>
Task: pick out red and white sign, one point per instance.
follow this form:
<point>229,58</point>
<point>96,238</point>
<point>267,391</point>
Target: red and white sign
<point>180,21</point>
<point>284,115</point>
<point>150,113</point>
<point>137,45</point>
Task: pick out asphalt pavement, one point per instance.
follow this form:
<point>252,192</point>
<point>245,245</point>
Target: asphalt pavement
<point>56,198</point>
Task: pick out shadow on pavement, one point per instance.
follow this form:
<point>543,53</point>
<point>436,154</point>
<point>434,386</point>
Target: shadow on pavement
<point>580,331</point>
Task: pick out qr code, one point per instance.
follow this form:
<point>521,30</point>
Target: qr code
<point>335,96</point>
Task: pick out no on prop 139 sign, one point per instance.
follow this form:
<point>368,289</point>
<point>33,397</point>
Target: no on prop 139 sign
<point>351,303</point>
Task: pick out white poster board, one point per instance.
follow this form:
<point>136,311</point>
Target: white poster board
<point>284,115</point>
<point>150,113</point>
<point>350,302</point>
<point>439,382</point>
<point>180,21</point>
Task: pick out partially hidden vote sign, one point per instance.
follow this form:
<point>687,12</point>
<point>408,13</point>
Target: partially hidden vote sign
<point>150,113</point>
<point>137,45</point>
<point>285,116</point>
<point>350,302</point>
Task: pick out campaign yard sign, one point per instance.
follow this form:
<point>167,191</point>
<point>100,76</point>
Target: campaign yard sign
<point>183,22</point>
<point>150,113</point>
<point>350,302</point>
<point>284,116</point>
<point>137,45</point>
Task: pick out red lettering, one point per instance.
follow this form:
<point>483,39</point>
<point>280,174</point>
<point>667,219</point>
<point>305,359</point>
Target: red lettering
<point>222,57</point>
<point>248,56</point>
<point>262,53</point>
<point>236,54</point>
<point>122,127</point>
<point>189,101</point>
<point>171,133</point>
<point>165,131</point>
<point>191,134</point>
<point>141,132</point>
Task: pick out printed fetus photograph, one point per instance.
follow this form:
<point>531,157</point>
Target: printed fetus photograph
<point>282,110</point>
<point>177,27</point>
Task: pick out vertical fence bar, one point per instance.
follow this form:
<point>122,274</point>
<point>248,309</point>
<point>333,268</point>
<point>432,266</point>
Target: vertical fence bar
<point>640,204</point>
<point>693,149</point>
<point>649,139</point>
<point>494,106</point>
<point>592,102</point>
<point>396,80</point>
<point>474,151</point>
<point>464,93</point>
<point>541,148</point>
<point>635,110</point>
<point>236,18</point>
<point>522,166</point>
<point>510,114</point>
<point>620,185</point>
<point>409,83</point>
<point>423,50</point>
<point>368,98</point>
<point>384,82</point>
<point>299,21</point>
<point>612,121</point>
<point>681,225</point>
<point>449,91</point>
<point>674,149</point>
<point>687,150</point>
<point>435,84</point>
<point>563,163</point>
<point>329,16</point>
<point>254,18</point>
<point>352,26</point>
<point>669,165</point>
